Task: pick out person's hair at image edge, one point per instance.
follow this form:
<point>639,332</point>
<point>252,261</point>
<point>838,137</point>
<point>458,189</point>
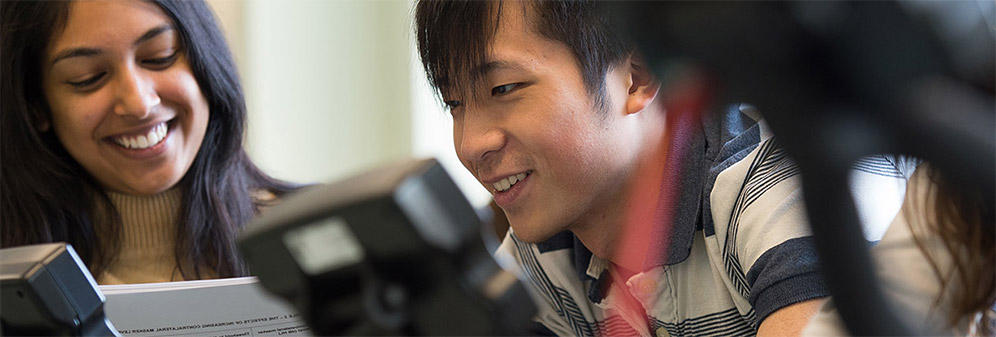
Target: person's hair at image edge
<point>964,221</point>
<point>48,197</point>
<point>452,37</point>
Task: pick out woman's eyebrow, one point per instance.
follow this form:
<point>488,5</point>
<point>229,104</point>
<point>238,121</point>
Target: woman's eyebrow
<point>152,33</point>
<point>89,51</point>
<point>76,52</point>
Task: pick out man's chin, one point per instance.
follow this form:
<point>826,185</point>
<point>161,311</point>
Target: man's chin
<point>532,235</point>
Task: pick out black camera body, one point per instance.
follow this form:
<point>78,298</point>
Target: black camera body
<point>397,250</point>
<point>46,290</point>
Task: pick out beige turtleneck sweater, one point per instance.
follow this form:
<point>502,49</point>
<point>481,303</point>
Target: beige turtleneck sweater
<point>148,239</point>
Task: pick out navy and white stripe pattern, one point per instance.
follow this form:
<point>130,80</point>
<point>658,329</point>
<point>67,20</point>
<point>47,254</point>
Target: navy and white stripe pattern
<point>724,323</point>
<point>886,166</point>
<point>769,168</point>
<point>562,303</point>
<point>749,255</point>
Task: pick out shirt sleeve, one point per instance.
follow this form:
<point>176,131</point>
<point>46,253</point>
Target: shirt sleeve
<point>765,242</point>
<point>768,242</point>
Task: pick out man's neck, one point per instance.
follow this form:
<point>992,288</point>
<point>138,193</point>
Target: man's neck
<point>622,233</point>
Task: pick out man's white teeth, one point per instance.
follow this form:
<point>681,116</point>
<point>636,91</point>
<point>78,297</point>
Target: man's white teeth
<point>507,183</point>
<point>155,136</point>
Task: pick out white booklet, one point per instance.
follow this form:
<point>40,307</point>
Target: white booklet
<point>232,307</point>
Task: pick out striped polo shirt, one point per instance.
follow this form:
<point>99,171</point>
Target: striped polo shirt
<point>739,247</point>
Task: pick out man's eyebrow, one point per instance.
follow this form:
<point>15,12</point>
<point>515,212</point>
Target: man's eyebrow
<point>486,69</point>
<point>88,51</point>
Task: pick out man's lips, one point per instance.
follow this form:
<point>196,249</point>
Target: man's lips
<point>505,181</point>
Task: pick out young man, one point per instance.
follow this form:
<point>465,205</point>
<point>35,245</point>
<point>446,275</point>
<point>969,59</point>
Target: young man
<point>629,214</point>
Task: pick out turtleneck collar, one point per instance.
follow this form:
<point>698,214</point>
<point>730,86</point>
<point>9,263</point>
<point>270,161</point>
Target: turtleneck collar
<point>147,238</point>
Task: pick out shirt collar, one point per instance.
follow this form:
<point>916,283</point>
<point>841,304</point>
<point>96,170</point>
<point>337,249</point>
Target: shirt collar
<point>669,244</point>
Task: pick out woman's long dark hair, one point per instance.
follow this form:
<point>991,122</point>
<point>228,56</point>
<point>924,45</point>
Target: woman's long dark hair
<point>965,222</point>
<point>46,196</point>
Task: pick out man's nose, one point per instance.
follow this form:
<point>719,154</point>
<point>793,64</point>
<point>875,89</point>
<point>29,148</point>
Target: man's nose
<point>479,138</point>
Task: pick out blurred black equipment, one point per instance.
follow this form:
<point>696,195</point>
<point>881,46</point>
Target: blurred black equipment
<point>46,290</point>
<point>394,251</point>
<point>837,81</point>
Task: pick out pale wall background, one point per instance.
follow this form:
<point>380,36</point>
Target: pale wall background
<point>334,87</point>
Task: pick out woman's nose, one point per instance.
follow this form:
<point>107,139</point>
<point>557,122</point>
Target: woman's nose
<point>136,95</point>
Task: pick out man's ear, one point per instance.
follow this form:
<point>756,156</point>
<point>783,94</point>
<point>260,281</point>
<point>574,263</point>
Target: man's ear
<point>643,87</point>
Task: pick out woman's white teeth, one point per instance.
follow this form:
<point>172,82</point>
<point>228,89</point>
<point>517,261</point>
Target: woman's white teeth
<point>507,183</point>
<point>155,136</point>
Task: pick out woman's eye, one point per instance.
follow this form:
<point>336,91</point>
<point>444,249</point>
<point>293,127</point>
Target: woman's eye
<point>452,104</point>
<point>502,89</point>
<point>86,82</point>
<point>162,62</point>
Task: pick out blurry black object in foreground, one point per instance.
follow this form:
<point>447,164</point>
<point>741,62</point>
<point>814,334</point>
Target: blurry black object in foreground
<point>836,81</point>
<point>45,290</point>
<point>394,251</point>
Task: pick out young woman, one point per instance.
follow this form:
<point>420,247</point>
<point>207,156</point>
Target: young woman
<point>122,134</point>
<point>936,261</point>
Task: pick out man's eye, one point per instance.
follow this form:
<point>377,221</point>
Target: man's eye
<point>502,89</point>
<point>453,103</point>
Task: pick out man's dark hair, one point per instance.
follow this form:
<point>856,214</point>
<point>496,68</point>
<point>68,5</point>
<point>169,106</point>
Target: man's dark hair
<point>452,38</point>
